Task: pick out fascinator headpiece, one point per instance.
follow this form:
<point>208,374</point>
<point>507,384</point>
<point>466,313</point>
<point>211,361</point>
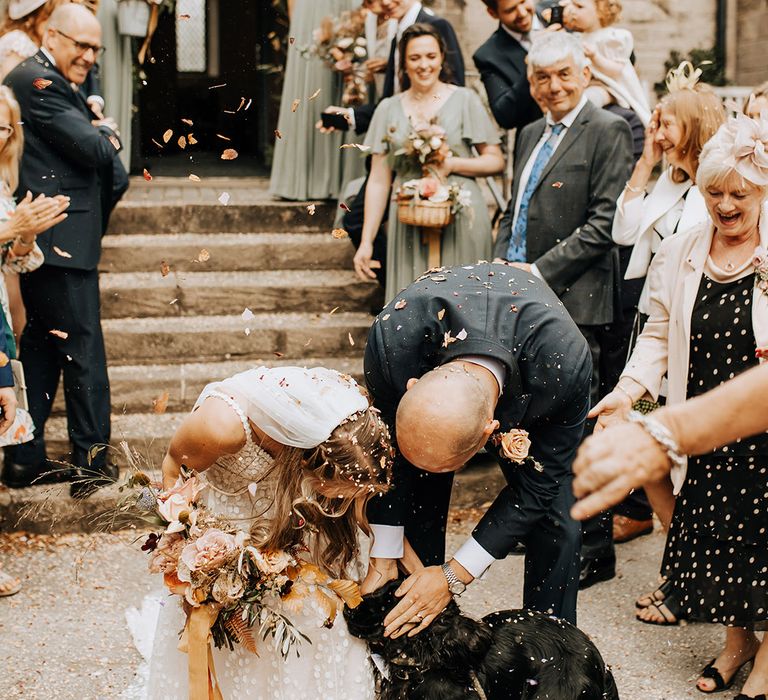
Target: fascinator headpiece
<point>684,77</point>
<point>744,141</point>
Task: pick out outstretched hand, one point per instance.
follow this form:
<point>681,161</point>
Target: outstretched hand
<point>609,465</point>
<point>424,596</point>
<point>613,408</point>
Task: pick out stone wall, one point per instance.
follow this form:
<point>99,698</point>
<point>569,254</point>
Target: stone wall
<point>657,25</point>
<point>749,64</point>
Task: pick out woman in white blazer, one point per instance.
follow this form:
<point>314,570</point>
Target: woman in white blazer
<point>680,126</point>
<point>708,322</point>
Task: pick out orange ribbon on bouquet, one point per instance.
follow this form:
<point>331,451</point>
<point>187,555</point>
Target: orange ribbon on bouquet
<point>196,643</point>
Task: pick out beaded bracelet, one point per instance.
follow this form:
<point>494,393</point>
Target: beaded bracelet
<point>662,435</point>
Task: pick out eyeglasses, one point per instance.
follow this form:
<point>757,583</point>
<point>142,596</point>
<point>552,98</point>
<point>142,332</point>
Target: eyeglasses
<point>5,131</point>
<point>82,48</point>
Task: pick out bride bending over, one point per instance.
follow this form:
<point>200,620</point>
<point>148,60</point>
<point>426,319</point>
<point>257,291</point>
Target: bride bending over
<point>292,456</point>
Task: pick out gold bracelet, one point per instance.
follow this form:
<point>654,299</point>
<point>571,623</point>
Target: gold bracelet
<point>626,393</point>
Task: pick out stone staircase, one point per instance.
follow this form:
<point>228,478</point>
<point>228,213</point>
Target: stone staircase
<point>167,335</point>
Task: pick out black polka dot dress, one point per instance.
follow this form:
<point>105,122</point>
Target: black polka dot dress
<point>717,549</point>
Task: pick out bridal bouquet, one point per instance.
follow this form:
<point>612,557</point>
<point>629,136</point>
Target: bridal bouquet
<point>219,573</point>
<point>341,43</point>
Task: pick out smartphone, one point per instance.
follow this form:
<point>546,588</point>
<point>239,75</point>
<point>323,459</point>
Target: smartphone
<point>557,15</point>
<point>336,121</point>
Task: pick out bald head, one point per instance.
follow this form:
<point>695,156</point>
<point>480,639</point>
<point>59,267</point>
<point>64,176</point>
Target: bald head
<point>445,418</point>
<point>73,38</point>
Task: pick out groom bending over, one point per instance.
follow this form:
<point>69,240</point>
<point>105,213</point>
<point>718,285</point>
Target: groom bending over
<point>455,362</point>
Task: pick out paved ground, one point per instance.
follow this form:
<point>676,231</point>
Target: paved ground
<point>65,635</point>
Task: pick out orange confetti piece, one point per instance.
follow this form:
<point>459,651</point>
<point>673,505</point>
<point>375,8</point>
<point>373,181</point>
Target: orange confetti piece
<point>160,404</point>
<point>41,83</point>
<point>401,304</point>
<point>165,268</point>
<point>182,142</point>
<point>168,135</point>
<point>147,176</point>
<point>188,122</point>
<point>339,233</point>
<point>295,105</point>
<point>315,93</point>
<point>194,177</point>
<point>60,252</point>
<point>59,334</point>
<point>229,154</point>
<point>191,140</point>
<point>278,134</point>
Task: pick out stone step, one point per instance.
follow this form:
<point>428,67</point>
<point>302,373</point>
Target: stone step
<point>185,339</point>
<point>145,294</point>
<point>132,217</point>
<point>135,388</point>
<point>229,252</point>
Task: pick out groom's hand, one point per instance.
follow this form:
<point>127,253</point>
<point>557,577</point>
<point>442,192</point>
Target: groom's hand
<point>424,596</point>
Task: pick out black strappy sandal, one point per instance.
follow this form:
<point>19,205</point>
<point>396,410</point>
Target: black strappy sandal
<point>720,685</point>
<point>670,618</point>
<point>664,588</point>
<point>741,696</point>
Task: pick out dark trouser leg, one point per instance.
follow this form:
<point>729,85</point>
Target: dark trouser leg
<point>86,384</point>
<point>425,527</point>
<point>552,560</point>
<point>39,356</point>
<point>635,506</point>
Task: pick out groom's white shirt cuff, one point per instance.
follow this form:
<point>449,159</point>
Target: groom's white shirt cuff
<point>387,541</point>
<point>474,558</point>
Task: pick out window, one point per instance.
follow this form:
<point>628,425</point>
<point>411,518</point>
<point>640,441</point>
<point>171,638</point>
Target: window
<point>191,37</point>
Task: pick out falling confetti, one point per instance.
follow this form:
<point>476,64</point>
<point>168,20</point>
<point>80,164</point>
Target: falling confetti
<point>203,256</point>
<point>41,83</point>
<point>248,315</point>
<point>191,140</point>
<point>448,339</point>
<point>278,354</point>
<point>291,40</point>
<point>224,198</point>
<point>401,304</point>
<point>462,334</point>
<point>351,339</point>
<point>182,142</point>
<point>184,16</point>
<point>194,177</point>
<point>60,252</point>
<point>339,233</point>
<point>216,87</point>
<point>229,154</point>
<point>157,143</point>
<point>278,134</point>
<point>333,310</point>
<point>315,93</point>
<point>311,209</point>
<point>165,268</point>
<point>440,314</point>
<point>223,138</point>
<point>188,122</point>
<point>147,176</point>
<point>160,404</point>
<point>358,146</point>
<point>59,334</point>
<point>168,135</point>
<point>295,105</point>
<point>344,207</point>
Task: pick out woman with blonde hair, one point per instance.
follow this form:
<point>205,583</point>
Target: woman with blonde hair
<point>757,102</point>
<point>708,322</point>
<point>19,225</point>
<point>21,35</point>
<point>291,456</point>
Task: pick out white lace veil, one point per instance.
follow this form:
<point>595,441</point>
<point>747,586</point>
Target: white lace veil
<point>297,407</point>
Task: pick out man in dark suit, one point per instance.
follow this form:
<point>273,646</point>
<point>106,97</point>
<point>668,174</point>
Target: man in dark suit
<point>407,12</point>
<point>456,361</point>
<point>66,152</point>
<point>570,168</point>
<point>501,63</point>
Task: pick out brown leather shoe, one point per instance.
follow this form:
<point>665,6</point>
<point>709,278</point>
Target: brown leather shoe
<point>626,529</point>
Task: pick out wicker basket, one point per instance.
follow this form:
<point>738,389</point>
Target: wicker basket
<point>423,213</point>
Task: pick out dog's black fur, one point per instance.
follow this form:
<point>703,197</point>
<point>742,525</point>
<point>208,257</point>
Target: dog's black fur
<point>514,655</point>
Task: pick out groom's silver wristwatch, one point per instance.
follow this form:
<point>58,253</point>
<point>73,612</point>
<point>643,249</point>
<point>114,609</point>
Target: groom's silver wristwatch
<point>455,587</point>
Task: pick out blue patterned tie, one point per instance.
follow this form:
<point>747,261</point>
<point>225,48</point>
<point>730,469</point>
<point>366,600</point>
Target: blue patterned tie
<point>517,251</point>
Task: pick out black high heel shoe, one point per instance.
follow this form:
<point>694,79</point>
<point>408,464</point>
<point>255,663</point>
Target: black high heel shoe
<point>741,696</point>
<point>710,671</point>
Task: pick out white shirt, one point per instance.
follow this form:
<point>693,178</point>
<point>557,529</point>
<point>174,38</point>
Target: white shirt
<point>388,539</point>
<point>525,40</point>
<point>567,121</point>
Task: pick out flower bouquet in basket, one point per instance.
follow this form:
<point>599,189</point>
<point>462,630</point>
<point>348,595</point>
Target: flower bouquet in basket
<point>340,42</point>
<point>427,202</point>
<point>232,591</point>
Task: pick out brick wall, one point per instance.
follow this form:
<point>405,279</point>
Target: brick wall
<point>751,35</point>
<point>657,25</point>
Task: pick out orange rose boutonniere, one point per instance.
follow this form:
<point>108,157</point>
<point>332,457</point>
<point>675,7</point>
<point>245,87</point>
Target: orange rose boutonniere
<point>514,446</point>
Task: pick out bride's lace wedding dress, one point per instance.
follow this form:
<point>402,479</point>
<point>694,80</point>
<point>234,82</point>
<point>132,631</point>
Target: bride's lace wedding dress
<point>335,666</point>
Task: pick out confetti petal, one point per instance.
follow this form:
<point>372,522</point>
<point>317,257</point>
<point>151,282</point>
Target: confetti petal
<point>188,122</point>
<point>462,334</point>
<point>224,198</point>
<point>59,334</point>
<point>147,175</point>
<point>339,233</point>
<point>160,404</point>
<point>203,256</point>
<point>229,154</point>
<point>60,252</point>
<point>165,268</point>
<point>41,83</point>
<point>351,339</point>
<point>315,93</point>
<point>311,209</point>
<point>278,135</point>
<point>295,105</point>
<point>247,315</point>
<point>168,135</point>
<point>194,177</point>
<point>182,142</point>
<point>440,314</point>
<point>401,305</point>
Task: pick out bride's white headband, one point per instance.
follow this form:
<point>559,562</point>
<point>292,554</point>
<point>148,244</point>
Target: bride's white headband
<point>296,407</point>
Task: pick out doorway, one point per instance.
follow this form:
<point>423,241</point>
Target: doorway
<point>212,87</point>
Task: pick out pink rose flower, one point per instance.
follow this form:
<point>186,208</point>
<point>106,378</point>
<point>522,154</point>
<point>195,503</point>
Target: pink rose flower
<point>165,558</point>
<point>188,488</point>
<point>428,187</point>
<point>271,562</point>
<point>515,445</point>
<point>210,550</point>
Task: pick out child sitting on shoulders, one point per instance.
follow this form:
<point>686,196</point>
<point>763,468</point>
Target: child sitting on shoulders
<point>609,49</point>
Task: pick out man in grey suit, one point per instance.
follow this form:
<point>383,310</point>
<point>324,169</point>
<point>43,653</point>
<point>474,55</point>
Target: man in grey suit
<point>570,168</point>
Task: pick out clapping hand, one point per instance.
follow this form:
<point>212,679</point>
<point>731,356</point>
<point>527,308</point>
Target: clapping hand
<point>613,408</point>
<point>33,216</point>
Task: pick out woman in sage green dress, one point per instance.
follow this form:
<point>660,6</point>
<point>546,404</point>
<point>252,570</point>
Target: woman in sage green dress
<point>306,163</point>
<point>466,123</point>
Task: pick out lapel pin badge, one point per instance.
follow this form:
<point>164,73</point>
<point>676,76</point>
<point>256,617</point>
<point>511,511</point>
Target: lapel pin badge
<point>557,185</point>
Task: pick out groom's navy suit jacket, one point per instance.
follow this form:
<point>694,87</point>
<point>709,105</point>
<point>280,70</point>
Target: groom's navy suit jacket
<point>511,316</point>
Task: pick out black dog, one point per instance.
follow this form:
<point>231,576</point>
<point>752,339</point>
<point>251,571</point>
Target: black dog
<point>508,655</point>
